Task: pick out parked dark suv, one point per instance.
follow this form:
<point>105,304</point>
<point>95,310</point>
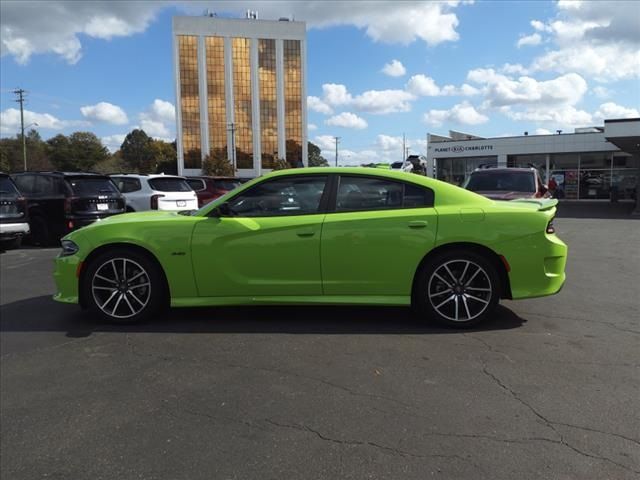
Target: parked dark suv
<point>14,222</point>
<point>59,202</point>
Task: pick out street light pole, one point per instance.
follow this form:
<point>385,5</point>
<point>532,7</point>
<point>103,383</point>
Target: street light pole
<point>20,93</point>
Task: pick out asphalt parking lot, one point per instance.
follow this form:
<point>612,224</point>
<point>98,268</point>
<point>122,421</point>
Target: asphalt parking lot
<point>548,389</point>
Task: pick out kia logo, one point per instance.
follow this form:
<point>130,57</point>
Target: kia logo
<point>457,149</point>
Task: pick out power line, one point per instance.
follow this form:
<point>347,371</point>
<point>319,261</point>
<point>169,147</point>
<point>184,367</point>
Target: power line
<point>337,139</point>
<point>20,94</point>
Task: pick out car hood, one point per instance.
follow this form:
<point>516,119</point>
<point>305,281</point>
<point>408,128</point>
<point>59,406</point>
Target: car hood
<point>502,195</point>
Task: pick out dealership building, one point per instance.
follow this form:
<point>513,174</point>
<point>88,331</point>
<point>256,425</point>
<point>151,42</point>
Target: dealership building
<point>591,163</point>
<point>240,91</point>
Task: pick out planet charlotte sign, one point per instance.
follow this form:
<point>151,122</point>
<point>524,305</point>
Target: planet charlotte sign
<point>463,148</point>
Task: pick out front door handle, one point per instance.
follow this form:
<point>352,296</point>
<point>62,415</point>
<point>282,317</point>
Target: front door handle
<point>418,224</point>
<point>306,233</point>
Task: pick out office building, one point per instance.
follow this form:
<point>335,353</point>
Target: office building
<point>240,91</point>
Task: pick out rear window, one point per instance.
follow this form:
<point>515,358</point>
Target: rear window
<point>196,184</point>
<point>7,187</point>
<point>91,186</point>
<point>227,184</point>
<point>501,182</point>
<point>169,185</point>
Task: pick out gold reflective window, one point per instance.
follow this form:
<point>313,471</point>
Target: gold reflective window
<point>293,101</point>
<point>216,103</point>
<point>189,100</point>
<point>243,135</point>
<point>268,106</point>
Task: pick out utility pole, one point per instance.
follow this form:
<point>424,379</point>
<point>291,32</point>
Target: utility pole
<point>337,139</point>
<point>20,93</point>
<point>232,128</point>
<point>404,148</point>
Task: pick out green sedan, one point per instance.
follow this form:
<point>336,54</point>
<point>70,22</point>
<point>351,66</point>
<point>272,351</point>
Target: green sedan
<point>338,236</point>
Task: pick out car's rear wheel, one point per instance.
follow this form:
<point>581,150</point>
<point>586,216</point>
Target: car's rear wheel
<point>124,286</point>
<point>11,244</point>
<point>457,288</point>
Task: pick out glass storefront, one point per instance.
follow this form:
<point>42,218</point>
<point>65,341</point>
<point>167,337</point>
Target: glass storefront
<point>456,170</point>
<point>578,176</point>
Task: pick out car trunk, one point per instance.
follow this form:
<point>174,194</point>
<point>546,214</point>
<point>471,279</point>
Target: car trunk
<point>13,207</point>
<point>94,196</point>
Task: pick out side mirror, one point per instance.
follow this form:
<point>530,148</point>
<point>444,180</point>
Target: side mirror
<point>222,210</point>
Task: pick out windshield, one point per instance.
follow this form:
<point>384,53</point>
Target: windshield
<point>91,186</point>
<point>171,184</point>
<point>501,182</point>
<point>7,187</point>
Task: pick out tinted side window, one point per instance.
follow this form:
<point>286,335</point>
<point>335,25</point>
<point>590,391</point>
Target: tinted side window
<point>416,197</point>
<point>126,185</point>
<point>25,183</point>
<point>282,196</point>
<point>366,193</point>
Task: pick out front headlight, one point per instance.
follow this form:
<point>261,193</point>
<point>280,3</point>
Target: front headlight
<point>68,248</point>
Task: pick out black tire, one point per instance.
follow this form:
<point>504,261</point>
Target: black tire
<point>126,306</point>
<point>457,297</point>
<point>11,244</point>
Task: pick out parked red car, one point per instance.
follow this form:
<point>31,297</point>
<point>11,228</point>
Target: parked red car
<point>507,183</point>
<point>210,188</point>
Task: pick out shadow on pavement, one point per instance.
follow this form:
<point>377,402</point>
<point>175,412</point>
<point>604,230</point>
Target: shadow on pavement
<point>42,314</point>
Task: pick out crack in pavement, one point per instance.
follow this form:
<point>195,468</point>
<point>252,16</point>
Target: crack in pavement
<point>550,424</point>
<point>358,443</point>
<point>561,317</point>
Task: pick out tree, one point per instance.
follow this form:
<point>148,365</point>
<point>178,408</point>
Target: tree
<point>5,166</point>
<point>281,164</point>
<point>80,151</point>
<point>59,149</point>
<point>315,159</point>
<point>165,156</point>
<point>87,150</point>
<point>137,152</point>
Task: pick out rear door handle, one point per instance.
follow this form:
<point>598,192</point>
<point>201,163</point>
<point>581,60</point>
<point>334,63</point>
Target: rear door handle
<point>306,233</point>
<point>418,224</point>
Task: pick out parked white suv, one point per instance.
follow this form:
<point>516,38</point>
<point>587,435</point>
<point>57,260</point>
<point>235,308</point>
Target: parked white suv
<point>155,192</point>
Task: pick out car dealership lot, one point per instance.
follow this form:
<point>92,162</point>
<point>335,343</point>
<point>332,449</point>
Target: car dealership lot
<point>548,388</point>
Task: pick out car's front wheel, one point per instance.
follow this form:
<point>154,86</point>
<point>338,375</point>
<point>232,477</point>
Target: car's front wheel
<point>124,286</point>
<point>457,288</point>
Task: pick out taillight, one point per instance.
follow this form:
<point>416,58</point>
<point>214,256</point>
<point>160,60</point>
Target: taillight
<point>550,228</point>
<point>21,205</point>
<point>154,201</point>
<point>68,204</point>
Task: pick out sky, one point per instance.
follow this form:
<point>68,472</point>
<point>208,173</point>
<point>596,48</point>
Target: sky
<point>375,70</point>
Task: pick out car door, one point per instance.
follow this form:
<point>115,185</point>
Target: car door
<point>375,236</point>
<point>271,244</point>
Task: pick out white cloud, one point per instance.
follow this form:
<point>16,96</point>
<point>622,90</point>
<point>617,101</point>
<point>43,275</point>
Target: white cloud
<point>336,94</point>
<point>394,69</point>
<point>387,142</point>
<point>533,39</point>
<point>602,92</point>
<point>113,142</point>
<point>159,120</point>
<point>311,127</point>
<point>423,86</point>
<point>501,90</point>
<point>10,121</point>
<point>383,101</point>
<point>347,120</point>
<point>30,28</point>
<point>462,113</point>
<point>595,39</point>
<point>562,116</point>
<point>317,105</point>
<point>105,112</point>
<point>611,110</point>
<point>542,131</point>
<point>325,142</point>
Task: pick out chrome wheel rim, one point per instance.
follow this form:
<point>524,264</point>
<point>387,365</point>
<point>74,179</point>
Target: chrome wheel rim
<point>460,290</point>
<point>121,288</point>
